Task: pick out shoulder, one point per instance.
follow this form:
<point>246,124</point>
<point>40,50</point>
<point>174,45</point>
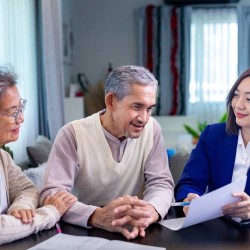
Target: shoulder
<point>216,132</point>
<point>6,160</point>
<point>157,130</point>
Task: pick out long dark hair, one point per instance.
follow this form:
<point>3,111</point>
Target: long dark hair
<point>232,127</point>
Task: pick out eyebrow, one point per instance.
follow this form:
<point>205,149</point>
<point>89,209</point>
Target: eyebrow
<point>248,92</point>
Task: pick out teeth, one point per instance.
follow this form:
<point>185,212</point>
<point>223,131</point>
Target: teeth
<point>139,126</point>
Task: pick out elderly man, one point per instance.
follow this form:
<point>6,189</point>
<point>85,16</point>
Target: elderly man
<point>115,161</point>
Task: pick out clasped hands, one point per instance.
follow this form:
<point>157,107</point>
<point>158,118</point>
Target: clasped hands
<point>62,201</point>
<point>127,215</point>
<point>240,208</point>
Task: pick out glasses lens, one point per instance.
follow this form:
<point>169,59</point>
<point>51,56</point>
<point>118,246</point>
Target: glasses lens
<point>20,109</point>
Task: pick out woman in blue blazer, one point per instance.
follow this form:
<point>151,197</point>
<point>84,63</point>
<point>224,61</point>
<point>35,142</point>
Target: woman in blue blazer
<point>222,154</point>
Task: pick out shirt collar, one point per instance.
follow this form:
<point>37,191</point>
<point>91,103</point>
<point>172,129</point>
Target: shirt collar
<point>240,139</point>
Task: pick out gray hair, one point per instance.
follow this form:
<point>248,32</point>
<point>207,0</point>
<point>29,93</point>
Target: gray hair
<point>7,78</point>
<point>119,81</point>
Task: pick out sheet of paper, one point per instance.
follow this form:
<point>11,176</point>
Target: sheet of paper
<point>208,206</point>
<point>65,242</point>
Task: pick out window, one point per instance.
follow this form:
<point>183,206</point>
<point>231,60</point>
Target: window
<point>18,48</point>
<point>213,60</point>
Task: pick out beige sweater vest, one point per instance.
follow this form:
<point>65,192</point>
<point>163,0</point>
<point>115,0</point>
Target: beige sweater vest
<point>100,178</point>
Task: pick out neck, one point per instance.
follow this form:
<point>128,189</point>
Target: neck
<point>246,136</point>
<point>107,122</point>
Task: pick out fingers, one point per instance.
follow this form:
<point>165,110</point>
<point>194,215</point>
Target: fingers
<point>25,215</point>
<point>129,200</point>
<point>62,201</point>
<point>133,211</point>
<point>129,235</point>
<point>190,197</point>
<point>240,208</point>
<point>142,232</point>
<point>129,220</point>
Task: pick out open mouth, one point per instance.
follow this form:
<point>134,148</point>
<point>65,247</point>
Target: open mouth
<point>138,125</point>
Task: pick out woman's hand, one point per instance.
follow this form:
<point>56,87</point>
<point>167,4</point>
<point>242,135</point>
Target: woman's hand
<point>25,215</point>
<point>240,209</point>
<point>190,197</point>
<point>62,201</point>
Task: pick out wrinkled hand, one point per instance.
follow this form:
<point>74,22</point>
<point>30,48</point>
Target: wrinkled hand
<point>190,197</point>
<point>240,209</point>
<point>25,215</point>
<point>62,201</point>
<point>138,221</point>
<point>118,214</point>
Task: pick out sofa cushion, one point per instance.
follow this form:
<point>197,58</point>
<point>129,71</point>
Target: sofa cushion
<point>39,152</point>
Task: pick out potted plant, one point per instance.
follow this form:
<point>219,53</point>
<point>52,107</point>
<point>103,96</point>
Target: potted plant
<point>195,133</point>
<point>7,149</point>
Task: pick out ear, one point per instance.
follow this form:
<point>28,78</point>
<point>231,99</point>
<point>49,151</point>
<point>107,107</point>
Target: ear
<point>110,100</point>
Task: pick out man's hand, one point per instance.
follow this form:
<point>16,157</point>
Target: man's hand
<point>25,215</point>
<point>138,221</point>
<point>118,214</point>
<point>62,201</point>
<point>240,209</point>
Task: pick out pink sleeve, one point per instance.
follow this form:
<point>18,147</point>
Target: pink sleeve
<point>159,181</point>
<point>62,168</point>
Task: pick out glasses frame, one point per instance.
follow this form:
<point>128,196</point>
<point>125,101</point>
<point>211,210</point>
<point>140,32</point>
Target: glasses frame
<point>19,111</point>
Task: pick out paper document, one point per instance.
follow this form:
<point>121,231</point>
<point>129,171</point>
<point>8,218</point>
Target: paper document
<point>65,242</point>
<point>208,206</point>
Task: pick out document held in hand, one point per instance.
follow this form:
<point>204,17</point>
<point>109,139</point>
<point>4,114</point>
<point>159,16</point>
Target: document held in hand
<point>208,206</point>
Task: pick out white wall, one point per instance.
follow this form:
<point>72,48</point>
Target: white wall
<point>105,31</point>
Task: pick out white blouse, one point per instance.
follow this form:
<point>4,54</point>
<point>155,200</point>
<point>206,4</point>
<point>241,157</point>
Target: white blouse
<point>242,159</point>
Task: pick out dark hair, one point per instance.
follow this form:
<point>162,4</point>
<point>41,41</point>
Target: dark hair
<point>119,81</point>
<point>232,127</point>
<point>7,78</point>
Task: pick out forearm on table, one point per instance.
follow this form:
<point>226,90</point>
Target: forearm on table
<point>161,201</point>
<point>78,214</point>
<point>13,229</point>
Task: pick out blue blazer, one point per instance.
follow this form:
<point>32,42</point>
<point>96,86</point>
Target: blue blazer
<point>210,164</point>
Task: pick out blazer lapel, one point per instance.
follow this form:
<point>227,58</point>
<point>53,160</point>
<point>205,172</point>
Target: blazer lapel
<point>227,157</point>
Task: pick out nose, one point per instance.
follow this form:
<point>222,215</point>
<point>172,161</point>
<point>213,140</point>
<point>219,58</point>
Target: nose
<point>143,116</point>
<point>240,104</point>
<point>20,118</point>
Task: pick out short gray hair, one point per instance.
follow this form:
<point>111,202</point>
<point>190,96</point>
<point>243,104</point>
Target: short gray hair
<point>7,78</point>
<point>119,80</point>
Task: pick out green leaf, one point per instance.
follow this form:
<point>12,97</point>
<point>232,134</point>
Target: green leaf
<point>202,125</point>
<point>223,117</point>
<point>191,131</point>
<point>7,149</point>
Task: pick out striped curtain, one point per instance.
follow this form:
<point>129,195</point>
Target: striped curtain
<point>163,43</point>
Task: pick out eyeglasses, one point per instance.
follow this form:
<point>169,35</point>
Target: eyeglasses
<point>20,110</point>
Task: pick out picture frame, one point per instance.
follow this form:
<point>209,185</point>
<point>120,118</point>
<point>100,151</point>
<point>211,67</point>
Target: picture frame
<point>68,42</point>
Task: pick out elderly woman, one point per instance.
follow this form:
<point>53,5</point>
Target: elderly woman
<point>18,195</point>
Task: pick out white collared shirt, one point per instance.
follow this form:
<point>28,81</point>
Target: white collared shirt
<point>242,159</point>
<point>3,195</point>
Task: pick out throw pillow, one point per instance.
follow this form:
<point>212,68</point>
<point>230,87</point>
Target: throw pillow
<point>36,175</point>
<point>39,152</point>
